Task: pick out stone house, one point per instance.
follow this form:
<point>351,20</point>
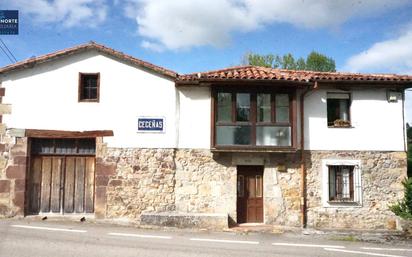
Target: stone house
<point>93,132</point>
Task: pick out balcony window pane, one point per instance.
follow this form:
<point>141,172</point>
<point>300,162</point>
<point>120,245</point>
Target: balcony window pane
<point>233,135</point>
<point>273,136</point>
<point>282,114</point>
<point>263,108</point>
<point>242,107</point>
<point>282,100</point>
<point>282,108</point>
<point>224,107</point>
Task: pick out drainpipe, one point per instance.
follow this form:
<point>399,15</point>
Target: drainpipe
<point>302,156</point>
<point>405,137</point>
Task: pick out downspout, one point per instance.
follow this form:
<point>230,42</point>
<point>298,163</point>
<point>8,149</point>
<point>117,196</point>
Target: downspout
<point>177,118</point>
<point>405,137</point>
<point>302,156</point>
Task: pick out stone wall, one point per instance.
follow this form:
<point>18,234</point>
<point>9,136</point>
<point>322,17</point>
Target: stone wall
<point>130,182</point>
<point>13,161</point>
<point>381,172</point>
<point>193,181</point>
<point>282,190</point>
<point>161,180</point>
<point>205,184</point>
<point>196,181</point>
<point>143,181</point>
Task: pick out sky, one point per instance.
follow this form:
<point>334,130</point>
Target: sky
<point>373,36</point>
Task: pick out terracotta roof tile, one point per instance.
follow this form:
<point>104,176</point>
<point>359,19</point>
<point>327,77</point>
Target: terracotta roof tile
<point>76,49</point>
<point>262,73</point>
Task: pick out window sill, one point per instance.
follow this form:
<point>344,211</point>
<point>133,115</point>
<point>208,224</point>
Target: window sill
<point>346,127</point>
<point>253,150</point>
<point>89,101</point>
<point>341,201</point>
<point>338,203</point>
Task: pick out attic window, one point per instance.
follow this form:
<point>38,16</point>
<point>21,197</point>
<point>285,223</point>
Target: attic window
<point>338,110</point>
<point>89,87</point>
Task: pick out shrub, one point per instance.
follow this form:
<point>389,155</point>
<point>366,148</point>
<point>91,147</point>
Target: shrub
<point>403,208</point>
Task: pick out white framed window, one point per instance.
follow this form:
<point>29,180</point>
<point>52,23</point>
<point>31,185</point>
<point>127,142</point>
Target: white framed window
<point>341,183</point>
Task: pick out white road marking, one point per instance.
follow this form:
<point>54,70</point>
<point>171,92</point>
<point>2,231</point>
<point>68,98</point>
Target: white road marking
<point>309,245</point>
<point>50,229</point>
<point>386,249</point>
<point>224,241</point>
<point>139,235</point>
<point>364,253</point>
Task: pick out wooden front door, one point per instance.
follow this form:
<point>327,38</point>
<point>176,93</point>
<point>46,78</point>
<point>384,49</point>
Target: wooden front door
<point>61,183</point>
<point>250,194</point>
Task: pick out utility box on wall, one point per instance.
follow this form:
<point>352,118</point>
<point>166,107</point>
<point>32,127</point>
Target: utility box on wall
<point>393,96</point>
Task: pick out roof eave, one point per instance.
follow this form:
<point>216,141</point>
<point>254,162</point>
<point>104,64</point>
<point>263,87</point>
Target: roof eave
<point>205,82</point>
<point>210,82</point>
<point>389,83</point>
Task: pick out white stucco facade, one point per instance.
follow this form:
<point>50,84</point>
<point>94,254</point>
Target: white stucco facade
<point>377,124</point>
<point>194,117</point>
<point>46,97</point>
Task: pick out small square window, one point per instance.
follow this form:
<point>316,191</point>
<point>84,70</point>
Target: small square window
<point>342,183</point>
<point>338,105</point>
<point>89,87</point>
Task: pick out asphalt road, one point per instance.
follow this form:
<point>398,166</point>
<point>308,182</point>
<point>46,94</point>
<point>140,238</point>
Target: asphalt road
<point>60,239</point>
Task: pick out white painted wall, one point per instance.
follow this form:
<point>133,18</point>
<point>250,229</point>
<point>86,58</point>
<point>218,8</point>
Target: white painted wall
<point>377,124</point>
<point>194,117</point>
<point>46,97</point>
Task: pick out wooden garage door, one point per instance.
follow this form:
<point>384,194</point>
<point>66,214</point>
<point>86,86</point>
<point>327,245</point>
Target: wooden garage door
<point>61,183</point>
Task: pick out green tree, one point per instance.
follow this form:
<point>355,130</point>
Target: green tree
<point>301,64</point>
<point>408,131</point>
<point>409,140</point>
<point>288,62</point>
<point>314,61</point>
<point>267,60</point>
<point>403,208</point>
<point>319,62</point>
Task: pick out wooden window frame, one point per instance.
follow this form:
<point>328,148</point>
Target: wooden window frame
<point>253,116</point>
<point>80,87</point>
<point>54,145</point>
<point>333,198</point>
